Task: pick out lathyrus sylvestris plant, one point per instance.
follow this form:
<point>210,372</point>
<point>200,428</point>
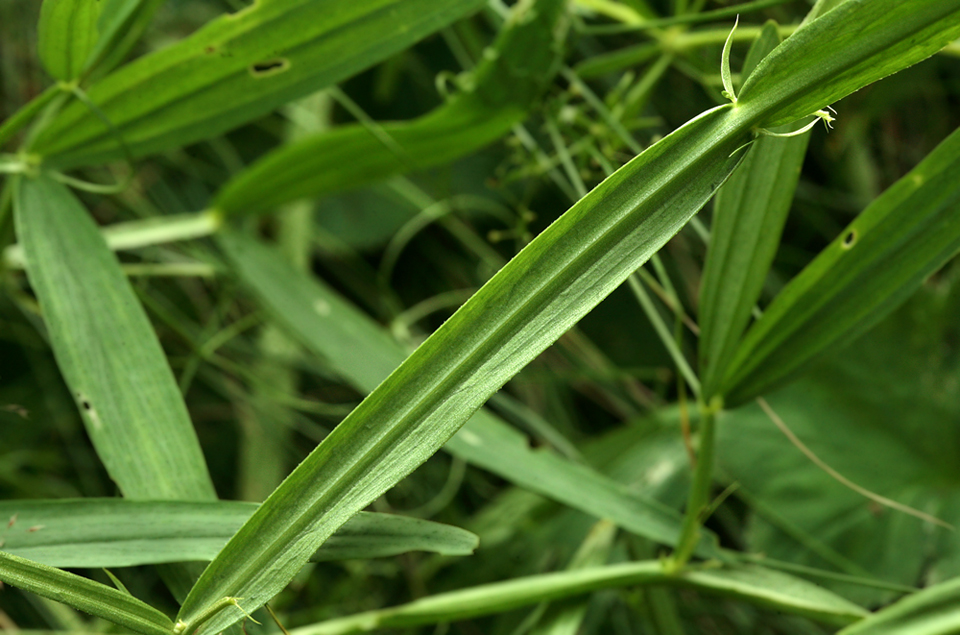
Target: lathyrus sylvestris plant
<point>245,64</point>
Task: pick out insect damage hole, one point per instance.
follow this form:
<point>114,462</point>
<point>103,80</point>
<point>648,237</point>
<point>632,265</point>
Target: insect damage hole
<point>90,411</point>
<point>269,67</point>
<point>849,239</point>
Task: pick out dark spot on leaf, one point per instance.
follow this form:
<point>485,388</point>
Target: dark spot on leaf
<point>269,67</point>
<point>849,239</point>
<point>210,50</point>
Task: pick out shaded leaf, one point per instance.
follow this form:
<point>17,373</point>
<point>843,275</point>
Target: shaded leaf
<point>364,353</point>
<point>880,258</point>
<point>107,350</point>
<point>750,211</point>
<point>495,97</point>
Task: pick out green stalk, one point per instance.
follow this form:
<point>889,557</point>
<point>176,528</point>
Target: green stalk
<point>25,115</point>
<point>699,496</point>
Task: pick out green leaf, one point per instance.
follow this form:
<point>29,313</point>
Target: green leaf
<point>932,611</point>
<point>496,96</point>
<point>121,24</point>
<point>83,594</point>
<point>109,532</point>
<point>880,258</point>
<point>539,295</point>
<point>557,278</point>
<point>750,211</point>
<point>235,69</point>
<point>364,353</point>
<point>67,35</point>
<point>757,585</point>
<point>107,350</point>
<point>848,47</point>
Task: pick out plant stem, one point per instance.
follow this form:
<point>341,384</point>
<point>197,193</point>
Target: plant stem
<point>143,233</point>
<point>26,114</point>
<point>699,496</point>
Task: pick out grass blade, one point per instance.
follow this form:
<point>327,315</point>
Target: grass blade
<point>880,258</point>
<point>118,533</point>
<point>750,211</point>
<point>83,594</point>
<point>497,95</point>
<point>238,67</point>
<point>932,611</point>
<point>364,353</point>
<point>757,585</point>
<point>107,350</point>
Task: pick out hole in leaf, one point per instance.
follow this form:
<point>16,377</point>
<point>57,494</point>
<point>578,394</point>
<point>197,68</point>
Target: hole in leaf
<point>269,67</point>
<point>850,239</point>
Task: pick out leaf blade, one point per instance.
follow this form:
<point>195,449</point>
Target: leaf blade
<point>750,211</point>
<point>236,68</point>
<point>120,533</point>
<point>365,354</point>
<point>83,594</point>
<point>900,239</point>
<point>107,350</point>
<point>498,94</point>
<point>761,586</point>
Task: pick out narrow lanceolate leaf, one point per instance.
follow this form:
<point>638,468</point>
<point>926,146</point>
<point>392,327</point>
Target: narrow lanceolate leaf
<point>866,40</point>
<point>757,585</point>
<point>107,350</point>
<point>237,68</point>
<point>121,24</point>
<point>364,353</point>
<point>67,35</point>
<point>111,532</point>
<point>749,214</point>
<point>494,97</point>
<point>933,611</point>
<point>880,258</point>
<point>541,293</point>
<point>83,594</point>
<point>531,302</point>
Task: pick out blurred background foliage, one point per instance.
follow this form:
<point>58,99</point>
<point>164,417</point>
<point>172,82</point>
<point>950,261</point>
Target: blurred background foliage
<point>883,410</point>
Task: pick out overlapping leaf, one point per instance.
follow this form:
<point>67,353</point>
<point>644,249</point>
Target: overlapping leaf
<point>749,214</point>
<point>364,353</point>
<point>879,259</point>
<point>494,97</point>
<point>236,68</point>
<point>107,350</point>
<point>83,594</point>
<point>778,591</point>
